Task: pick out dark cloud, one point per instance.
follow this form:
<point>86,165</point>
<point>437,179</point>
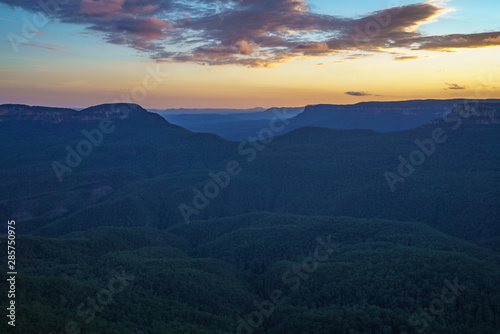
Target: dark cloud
<point>456,41</point>
<point>253,33</point>
<point>406,58</point>
<point>358,94</point>
<point>454,86</point>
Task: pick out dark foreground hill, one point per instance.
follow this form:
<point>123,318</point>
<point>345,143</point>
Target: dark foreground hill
<point>57,160</point>
<point>332,275</point>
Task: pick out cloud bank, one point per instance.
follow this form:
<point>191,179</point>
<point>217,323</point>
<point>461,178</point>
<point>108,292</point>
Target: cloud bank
<point>253,33</point>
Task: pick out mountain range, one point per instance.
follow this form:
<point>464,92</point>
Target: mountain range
<point>377,116</point>
<point>205,230</point>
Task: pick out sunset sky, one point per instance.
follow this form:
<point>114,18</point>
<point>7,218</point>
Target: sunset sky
<point>247,53</point>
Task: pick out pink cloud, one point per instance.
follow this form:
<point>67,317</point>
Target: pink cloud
<point>246,48</point>
<point>256,33</point>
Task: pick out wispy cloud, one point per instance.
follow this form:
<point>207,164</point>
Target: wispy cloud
<point>46,46</point>
<point>407,58</point>
<point>255,33</point>
<point>454,86</point>
<point>6,20</point>
<point>358,94</point>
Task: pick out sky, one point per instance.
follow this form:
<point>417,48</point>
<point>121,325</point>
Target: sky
<point>246,53</point>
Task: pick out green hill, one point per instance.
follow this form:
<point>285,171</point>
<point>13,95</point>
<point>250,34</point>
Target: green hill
<point>369,275</point>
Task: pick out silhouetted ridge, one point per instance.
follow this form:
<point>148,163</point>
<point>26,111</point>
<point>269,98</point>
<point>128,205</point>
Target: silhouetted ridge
<point>113,111</point>
<point>21,112</point>
<point>378,116</point>
<point>121,111</point>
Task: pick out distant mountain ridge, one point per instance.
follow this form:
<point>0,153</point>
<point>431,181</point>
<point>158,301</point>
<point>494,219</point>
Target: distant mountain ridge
<point>211,117</point>
<point>378,116</point>
<point>197,111</point>
<point>113,111</point>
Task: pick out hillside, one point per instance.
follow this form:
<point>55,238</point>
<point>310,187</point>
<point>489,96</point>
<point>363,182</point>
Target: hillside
<point>306,228</point>
<point>372,275</point>
<point>336,173</point>
<point>52,164</point>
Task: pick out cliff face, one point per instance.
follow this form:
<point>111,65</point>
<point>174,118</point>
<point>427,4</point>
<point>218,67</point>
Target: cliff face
<point>19,112</point>
<point>483,113</point>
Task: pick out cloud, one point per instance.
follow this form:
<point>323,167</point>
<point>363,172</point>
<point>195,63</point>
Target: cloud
<point>255,33</point>
<point>46,46</point>
<point>493,40</point>
<point>454,86</point>
<point>358,94</point>
<point>448,43</point>
<point>246,48</point>
<point>6,20</point>
<point>312,48</point>
<point>407,58</point>
<point>101,7</point>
